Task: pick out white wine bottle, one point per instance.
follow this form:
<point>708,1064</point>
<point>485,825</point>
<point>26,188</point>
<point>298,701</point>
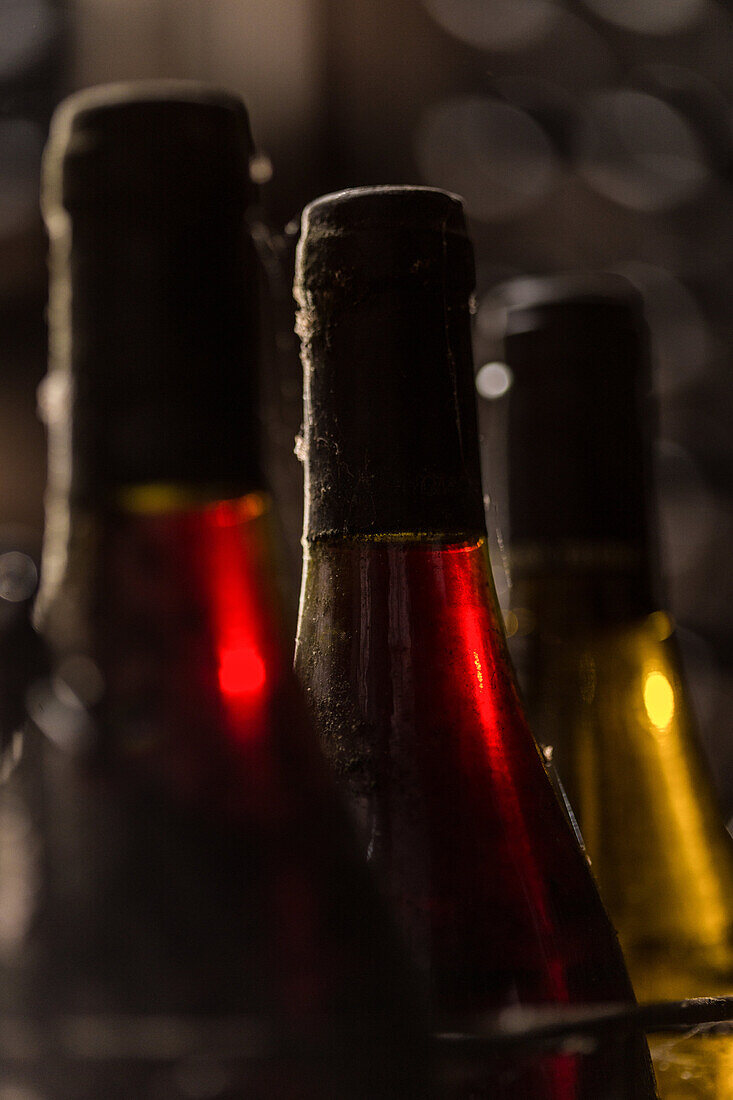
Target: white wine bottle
<point>596,651</point>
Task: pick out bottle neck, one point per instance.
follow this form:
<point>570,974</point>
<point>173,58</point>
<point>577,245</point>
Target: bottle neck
<point>580,424</point>
<point>153,330</point>
<point>390,441</point>
<point>153,333</point>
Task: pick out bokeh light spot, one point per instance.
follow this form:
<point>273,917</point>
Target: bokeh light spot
<point>493,380</point>
<point>18,576</point>
<point>659,700</point>
<point>26,28</point>
<point>649,16</point>
<point>661,625</point>
<point>241,671</point>
<point>260,168</point>
<point>494,24</point>
<point>638,151</point>
<point>493,154</point>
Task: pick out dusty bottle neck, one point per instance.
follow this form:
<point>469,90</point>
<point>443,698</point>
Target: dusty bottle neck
<point>390,442</point>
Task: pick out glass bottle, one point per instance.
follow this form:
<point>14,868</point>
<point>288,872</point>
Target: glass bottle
<point>400,644</point>
<point>596,650</point>
<point>184,911</point>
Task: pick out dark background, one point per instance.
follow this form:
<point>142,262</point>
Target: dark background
<point>581,134</point>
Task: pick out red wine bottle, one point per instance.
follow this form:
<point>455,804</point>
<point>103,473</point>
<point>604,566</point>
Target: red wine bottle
<point>191,917</point>
<point>401,649</point>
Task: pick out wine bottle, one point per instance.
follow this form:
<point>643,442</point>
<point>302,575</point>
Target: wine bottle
<point>400,644</point>
<point>596,650</point>
<point>187,915</point>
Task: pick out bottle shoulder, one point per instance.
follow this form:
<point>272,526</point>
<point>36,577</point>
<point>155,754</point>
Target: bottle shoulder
<point>196,860</point>
<point>402,652</point>
<point>613,702</point>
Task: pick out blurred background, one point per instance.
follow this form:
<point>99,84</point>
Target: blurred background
<point>581,133</point>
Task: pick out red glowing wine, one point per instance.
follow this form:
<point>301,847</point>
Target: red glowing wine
<point>402,654</point>
<point>186,914</point>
